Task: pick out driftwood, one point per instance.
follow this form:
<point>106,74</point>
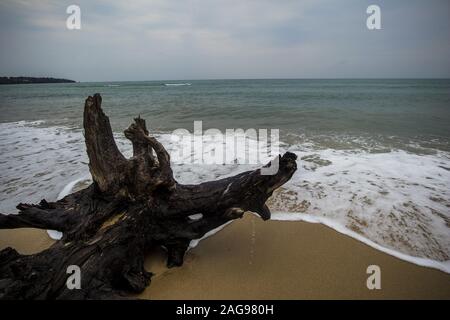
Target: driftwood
<point>132,205</point>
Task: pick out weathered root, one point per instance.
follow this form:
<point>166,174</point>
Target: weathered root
<point>132,205</point>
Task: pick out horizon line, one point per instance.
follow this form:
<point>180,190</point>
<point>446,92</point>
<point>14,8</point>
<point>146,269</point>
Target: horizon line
<point>222,79</point>
<point>240,79</point>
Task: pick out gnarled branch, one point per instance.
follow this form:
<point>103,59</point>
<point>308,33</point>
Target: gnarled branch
<point>133,204</point>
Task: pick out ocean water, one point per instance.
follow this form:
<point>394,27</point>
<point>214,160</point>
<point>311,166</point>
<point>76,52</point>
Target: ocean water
<point>373,155</point>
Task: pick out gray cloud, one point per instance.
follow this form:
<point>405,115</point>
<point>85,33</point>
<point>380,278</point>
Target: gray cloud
<point>145,40</point>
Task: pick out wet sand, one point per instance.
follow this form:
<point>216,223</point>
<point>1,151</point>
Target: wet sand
<point>252,259</point>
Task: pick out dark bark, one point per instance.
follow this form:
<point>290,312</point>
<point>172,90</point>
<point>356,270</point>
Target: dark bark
<point>132,205</point>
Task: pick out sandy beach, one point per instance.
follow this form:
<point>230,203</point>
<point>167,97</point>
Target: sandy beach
<point>252,259</point>
<point>250,150</point>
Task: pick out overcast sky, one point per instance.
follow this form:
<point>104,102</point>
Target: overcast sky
<point>205,39</point>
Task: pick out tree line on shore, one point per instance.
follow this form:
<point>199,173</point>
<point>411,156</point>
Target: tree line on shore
<point>26,80</point>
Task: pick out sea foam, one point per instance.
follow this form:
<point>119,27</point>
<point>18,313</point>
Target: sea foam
<point>396,201</point>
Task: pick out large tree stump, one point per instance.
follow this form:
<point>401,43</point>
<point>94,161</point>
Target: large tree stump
<point>132,205</point>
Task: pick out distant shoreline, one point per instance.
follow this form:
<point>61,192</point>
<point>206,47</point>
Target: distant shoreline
<point>29,80</point>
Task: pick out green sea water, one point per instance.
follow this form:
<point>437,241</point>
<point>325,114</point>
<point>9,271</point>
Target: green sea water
<point>383,109</point>
<point>373,155</point>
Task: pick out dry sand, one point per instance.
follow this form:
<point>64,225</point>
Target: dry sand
<point>252,259</point>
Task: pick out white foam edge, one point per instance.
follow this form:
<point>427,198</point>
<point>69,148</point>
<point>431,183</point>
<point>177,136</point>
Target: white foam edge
<point>423,262</point>
<point>54,234</point>
<point>195,242</point>
<point>177,84</point>
<point>69,187</point>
